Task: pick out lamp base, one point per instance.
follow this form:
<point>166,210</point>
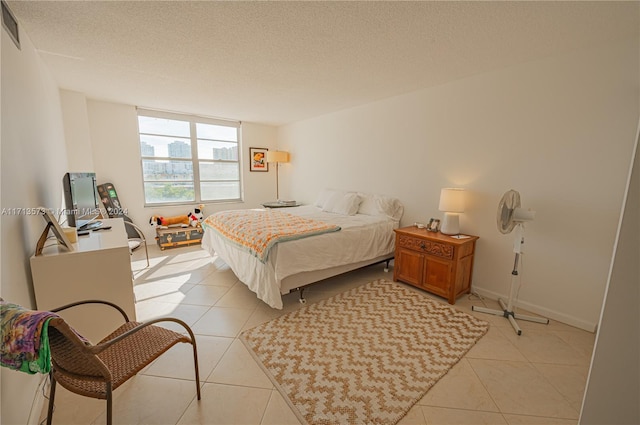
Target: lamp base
<point>450,224</point>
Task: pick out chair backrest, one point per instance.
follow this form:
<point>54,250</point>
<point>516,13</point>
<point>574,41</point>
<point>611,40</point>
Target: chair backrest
<point>72,355</point>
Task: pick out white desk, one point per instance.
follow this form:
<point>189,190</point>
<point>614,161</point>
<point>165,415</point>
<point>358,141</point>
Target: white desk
<point>99,268</point>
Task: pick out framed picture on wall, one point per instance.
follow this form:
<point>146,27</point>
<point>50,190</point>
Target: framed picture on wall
<point>258,159</point>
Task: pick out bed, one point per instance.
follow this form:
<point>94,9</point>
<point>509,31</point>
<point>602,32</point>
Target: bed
<point>364,236</point>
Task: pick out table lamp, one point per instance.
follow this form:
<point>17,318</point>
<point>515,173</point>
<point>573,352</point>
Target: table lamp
<point>277,157</point>
<point>451,203</point>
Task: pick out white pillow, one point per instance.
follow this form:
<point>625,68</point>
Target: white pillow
<point>373,204</point>
<point>368,206</point>
<point>342,203</point>
<point>391,207</point>
<point>324,196</point>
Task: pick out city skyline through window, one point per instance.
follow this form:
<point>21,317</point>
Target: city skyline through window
<point>188,159</point>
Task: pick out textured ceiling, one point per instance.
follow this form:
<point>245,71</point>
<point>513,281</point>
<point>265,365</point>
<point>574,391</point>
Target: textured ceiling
<point>279,62</point>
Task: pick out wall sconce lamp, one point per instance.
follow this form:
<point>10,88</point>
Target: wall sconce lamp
<point>278,157</point>
<point>452,204</point>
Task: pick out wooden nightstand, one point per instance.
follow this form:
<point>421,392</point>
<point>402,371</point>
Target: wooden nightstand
<point>437,263</point>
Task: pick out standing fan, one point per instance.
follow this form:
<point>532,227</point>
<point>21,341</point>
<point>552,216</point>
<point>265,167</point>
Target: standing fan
<point>510,216</point>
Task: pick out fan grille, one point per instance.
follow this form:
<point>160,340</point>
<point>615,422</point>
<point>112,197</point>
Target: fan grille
<point>509,202</point>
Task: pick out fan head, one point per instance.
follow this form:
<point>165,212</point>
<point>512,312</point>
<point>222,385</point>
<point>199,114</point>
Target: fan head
<point>506,208</point>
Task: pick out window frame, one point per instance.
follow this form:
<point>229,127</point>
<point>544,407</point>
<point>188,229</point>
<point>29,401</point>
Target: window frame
<point>195,161</point>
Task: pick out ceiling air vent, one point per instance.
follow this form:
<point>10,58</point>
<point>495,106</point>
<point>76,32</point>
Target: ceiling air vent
<point>10,24</point>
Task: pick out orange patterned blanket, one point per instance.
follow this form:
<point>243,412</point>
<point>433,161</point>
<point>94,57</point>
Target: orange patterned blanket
<point>257,231</point>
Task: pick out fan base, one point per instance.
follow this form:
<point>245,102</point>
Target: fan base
<point>505,312</point>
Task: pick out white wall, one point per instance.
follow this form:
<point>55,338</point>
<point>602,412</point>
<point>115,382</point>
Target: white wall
<point>559,130</point>
<point>34,160</point>
<point>612,395</point>
<point>115,145</point>
<point>76,131</point>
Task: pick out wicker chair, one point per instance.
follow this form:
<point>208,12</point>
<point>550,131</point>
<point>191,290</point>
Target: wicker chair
<point>96,370</point>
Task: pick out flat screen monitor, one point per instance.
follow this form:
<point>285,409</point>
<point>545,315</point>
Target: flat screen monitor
<point>81,200</point>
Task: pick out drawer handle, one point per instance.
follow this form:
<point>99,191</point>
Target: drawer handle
<point>422,245</point>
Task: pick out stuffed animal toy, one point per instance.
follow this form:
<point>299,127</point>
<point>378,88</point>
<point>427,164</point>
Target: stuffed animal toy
<point>163,222</point>
<point>196,216</point>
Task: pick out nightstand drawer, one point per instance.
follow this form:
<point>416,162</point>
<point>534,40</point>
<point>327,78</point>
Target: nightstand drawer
<point>428,247</point>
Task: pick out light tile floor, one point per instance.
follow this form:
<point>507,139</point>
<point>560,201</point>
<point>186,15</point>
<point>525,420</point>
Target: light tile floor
<point>536,378</point>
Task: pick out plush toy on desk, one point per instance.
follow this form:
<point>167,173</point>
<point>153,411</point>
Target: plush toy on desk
<point>164,222</point>
<point>196,216</point>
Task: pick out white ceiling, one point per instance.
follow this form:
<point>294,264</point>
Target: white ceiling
<point>279,62</point>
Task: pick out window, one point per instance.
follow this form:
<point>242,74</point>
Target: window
<point>188,159</point>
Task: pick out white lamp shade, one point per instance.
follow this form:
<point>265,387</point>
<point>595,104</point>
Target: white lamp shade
<point>452,200</point>
<point>277,156</point>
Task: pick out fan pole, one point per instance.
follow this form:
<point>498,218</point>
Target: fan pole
<point>507,310</point>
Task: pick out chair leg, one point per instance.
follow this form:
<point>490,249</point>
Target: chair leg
<point>109,404</point>
<point>52,396</point>
<point>195,363</point>
<point>195,355</point>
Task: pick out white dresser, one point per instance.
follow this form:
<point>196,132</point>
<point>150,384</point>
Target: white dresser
<point>99,268</point>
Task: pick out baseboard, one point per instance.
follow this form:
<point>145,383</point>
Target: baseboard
<point>549,314</point>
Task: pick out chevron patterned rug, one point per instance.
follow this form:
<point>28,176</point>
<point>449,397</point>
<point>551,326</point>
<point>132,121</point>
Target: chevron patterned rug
<point>365,356</point>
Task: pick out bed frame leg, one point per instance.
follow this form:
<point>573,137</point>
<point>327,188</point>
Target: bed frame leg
<point>302,300</point>
<point>386,266</point>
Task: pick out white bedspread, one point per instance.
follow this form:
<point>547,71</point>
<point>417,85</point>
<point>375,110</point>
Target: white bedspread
<point>362,237</point>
